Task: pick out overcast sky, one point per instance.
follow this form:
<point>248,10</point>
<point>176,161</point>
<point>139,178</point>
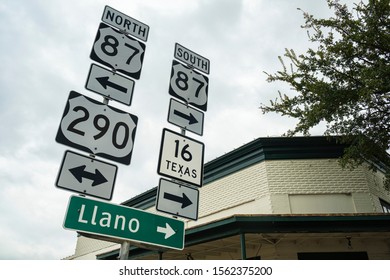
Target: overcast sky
<point>45,48</point>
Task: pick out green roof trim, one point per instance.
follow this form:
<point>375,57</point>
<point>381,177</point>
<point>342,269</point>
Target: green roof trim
<point>268,148</point>
<point>264,223</point>
<point>287,223</point>
<point>272,148</point>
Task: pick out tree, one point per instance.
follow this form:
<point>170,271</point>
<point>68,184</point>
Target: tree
<point>344,82</point>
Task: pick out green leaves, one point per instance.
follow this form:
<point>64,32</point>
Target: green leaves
<point>344,81</point>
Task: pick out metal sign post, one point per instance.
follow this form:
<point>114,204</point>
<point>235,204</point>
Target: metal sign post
<point>124,251</point>
<point>102,130</point>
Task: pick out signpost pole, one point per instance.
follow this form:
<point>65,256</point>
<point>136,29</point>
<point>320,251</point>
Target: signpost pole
<point>124,251</point>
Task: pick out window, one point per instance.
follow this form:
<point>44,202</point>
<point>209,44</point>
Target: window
<point>385,206</point>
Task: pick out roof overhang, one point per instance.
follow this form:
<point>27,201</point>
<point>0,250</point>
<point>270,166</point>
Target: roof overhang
<point>294,225</point>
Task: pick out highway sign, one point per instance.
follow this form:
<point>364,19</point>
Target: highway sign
<point>191,58</point>
<point>123,223</point>
<point>177,199</point>
<point>97,128</point>
<point>189,85</point>
<point>125,23</point>
<point>109,84</point>
<point>86,175</point>
<point>185,117</point>
<point>181,158</point>
<point>118,51</point>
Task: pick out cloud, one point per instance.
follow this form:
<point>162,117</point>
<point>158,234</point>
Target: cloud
<point>45,54</point>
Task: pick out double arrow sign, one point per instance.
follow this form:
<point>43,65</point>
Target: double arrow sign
<point>79,173</point>
<point>85,175</point>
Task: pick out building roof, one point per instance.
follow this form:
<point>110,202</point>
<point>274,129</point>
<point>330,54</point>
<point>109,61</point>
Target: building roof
<point>256,151</point>
<point>273,227</point>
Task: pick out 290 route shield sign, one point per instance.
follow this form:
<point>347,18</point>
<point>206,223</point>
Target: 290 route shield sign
<point>181,158</point>
<point>97,128</point>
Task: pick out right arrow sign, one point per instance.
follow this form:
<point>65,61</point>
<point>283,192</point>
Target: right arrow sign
<point>183,199</point>
<point>177,199</point>
<point>185,117</point>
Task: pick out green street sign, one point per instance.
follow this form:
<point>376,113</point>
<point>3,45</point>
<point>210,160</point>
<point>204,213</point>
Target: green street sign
<point>125,223</point>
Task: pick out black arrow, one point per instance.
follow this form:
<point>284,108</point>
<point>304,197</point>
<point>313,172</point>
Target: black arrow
<point>79,174</point>
<point>190,117</point>
<point>106,83</point>
<point>184,200</point>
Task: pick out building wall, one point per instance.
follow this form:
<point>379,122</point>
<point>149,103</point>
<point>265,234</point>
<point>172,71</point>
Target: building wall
<point>88,248</point>
<point>279,187</point>
<point>313,186</point>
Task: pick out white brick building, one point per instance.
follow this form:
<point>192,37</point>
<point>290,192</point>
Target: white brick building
<point>276,198</point>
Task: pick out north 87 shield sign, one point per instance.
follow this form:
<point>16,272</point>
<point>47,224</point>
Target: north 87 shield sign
<point>189,85</point>
<point>118,51</point>
<point>97,128</point>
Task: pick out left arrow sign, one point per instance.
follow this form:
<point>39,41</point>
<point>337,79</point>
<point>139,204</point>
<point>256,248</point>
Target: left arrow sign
<point>79,173</point>
<point>104,81</point>
<point>83,174</point>
<point>109,84</point>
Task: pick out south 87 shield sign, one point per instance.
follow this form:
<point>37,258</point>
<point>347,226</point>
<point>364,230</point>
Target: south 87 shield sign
<point>118,51</point>
<point>189,85</point>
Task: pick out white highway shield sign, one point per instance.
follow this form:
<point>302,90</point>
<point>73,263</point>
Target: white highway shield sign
<point>109,84</point>
<point>185,117</point>
<point>97,128</point>
<point>118,51</point>
<point>189,85</point>
<point>181,158</point>
<point>86,175</point>
<point>177,199</point>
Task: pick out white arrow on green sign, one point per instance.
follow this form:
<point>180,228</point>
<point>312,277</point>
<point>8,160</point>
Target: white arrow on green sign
<point>125,223</point>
